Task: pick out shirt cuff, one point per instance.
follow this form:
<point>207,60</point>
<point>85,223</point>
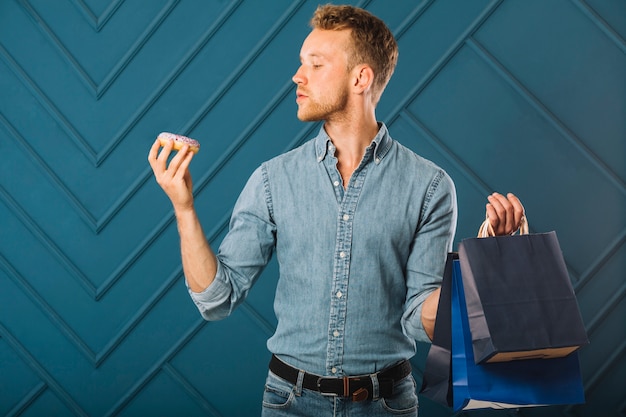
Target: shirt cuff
<point>214,301</point>
<point>413,323</point>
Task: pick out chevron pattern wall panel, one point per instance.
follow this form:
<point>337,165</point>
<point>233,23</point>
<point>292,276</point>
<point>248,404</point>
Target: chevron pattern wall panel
<point>95,320</point>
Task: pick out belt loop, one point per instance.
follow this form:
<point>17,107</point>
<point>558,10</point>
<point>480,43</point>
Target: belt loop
<point>299,382</point>
<point>375,387</point>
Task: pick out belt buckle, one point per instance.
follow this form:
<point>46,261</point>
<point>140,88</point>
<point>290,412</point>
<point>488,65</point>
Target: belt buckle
<point>320,380</point>
<point>360,394</point>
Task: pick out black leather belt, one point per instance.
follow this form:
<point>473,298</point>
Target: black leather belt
<point>358,388</point>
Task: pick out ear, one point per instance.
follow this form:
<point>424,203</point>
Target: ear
<point>363,78</point>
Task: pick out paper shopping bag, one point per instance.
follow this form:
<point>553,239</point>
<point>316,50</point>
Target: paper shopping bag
<point>437,377</point>
<point>520,300</point>
<point>532,382</point>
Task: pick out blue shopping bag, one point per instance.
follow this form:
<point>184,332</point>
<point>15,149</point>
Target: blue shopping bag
<point>531,382</point>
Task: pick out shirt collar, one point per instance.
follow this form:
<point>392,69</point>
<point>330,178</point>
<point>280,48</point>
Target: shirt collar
<point>381,143</point>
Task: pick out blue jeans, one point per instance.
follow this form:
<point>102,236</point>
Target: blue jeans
<point>284,399</point>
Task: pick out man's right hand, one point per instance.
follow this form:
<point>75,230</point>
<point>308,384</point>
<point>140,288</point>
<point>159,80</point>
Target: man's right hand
<point>174,178</point>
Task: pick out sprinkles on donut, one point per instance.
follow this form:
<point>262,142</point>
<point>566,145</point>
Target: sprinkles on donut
<point>179,141</point>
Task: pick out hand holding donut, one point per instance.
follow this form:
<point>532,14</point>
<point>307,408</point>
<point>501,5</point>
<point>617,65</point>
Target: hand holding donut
<point>174,178</point>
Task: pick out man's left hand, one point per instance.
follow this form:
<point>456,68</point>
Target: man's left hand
<point>504,213</point>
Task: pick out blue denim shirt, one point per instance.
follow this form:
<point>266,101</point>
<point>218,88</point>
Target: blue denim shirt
<point>355,263</point>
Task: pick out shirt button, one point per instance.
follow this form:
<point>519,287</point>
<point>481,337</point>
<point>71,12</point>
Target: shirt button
<point>336,333</point>
<point>336,183</point>
<point>342,254</point>
<point>339,294</point>
<point>346,217</point>
<point>333,370</point>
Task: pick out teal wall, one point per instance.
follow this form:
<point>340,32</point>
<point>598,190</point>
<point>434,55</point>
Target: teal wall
<point>525,96</point>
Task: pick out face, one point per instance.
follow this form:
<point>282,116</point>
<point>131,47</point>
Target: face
<point>323,77</point>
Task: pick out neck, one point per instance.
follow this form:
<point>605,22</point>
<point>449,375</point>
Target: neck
<point>351,137</point>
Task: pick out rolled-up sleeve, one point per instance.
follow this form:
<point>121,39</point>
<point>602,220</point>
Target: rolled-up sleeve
<point>214,302</point>
<point>244,252</point>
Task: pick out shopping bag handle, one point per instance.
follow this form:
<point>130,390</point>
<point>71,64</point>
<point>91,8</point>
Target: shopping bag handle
<point>486,229</point>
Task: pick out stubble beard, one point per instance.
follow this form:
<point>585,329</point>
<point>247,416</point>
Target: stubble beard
<point>315,111</point>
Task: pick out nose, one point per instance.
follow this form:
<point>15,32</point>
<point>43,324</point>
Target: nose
<point>298,78</point>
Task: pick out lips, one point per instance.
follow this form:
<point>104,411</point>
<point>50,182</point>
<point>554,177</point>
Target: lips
<point>300,95</point>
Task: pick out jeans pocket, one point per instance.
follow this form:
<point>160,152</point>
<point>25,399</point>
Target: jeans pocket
<point>404,400</point>
<point>278,393</point>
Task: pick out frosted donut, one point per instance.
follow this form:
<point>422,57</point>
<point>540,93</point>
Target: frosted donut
<point>179,141</point>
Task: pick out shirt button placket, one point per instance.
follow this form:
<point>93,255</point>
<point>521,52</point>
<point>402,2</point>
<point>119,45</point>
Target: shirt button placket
<point>342,270</point>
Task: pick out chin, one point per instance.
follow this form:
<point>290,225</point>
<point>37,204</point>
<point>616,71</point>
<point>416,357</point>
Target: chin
<point>308,117</point>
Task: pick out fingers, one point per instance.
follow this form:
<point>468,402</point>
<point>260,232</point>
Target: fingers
<point>504,213</point>
<point>154,150</point>
<point>152,155</point>
<point>173,176</point>
<point>179,163</point>
<point>182,168</point>
<point>518,208</point>
<point>158,160</point>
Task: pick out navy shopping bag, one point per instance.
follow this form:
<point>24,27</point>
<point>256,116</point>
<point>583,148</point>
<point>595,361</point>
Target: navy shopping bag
<point>531,382</point>
<point>520,301</point>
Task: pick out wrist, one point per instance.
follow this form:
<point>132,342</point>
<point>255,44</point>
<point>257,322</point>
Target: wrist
<point>184,211</point>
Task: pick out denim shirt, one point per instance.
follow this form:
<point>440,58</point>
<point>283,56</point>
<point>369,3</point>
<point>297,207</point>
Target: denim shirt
<point>355,264</point>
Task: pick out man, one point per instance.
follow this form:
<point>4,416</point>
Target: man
<point>360,226</point>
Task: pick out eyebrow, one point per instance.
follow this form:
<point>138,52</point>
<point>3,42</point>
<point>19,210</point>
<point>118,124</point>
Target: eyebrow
<point>312,55</point>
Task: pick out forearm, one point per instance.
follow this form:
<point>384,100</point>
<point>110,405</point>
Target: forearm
<point>429,312</point>
<point>199,261</point>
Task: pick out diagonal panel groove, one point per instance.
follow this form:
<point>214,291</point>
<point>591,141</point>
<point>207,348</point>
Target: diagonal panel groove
<point>155,368</point>
<point>610,250</point>
<point>160,90</point>
<point>48,172</point>
<point>98,89</point>
<point>28,399</point>
<point>606,309</point>
<point>97,22</point>
<point>47,309</point>
<point>609,364</point>
<point>421,84</point>
<point>602,24</point>
<point>547,114</point>
<point>61,120</point>
<point>50,382</point>
<point>130,54</point>
<point>86,78</point>
<point>191,390</point>
<point>412,18</point>
<point>454,160</point>
<point>47,242</point>
<point>139,315</point>
<point>246,63</point>
<point>96,157</point>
